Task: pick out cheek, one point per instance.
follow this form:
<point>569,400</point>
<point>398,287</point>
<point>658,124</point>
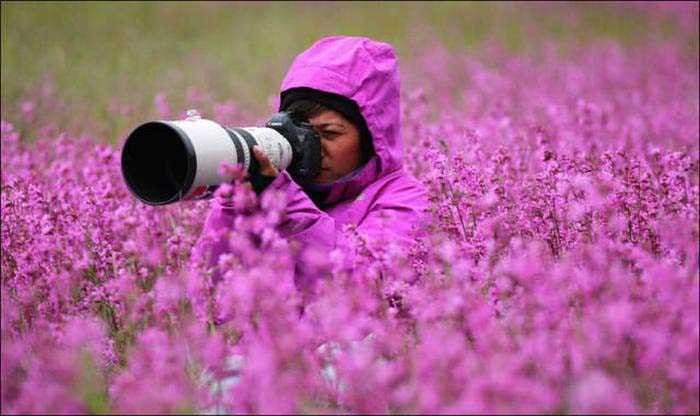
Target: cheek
<point>334,150</point>
<point>353,152</point>
<point>343,155</point>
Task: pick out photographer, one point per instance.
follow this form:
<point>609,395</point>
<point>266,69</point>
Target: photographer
<point>348,89</point>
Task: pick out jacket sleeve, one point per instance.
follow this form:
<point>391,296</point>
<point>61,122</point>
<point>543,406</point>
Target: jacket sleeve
<point>397,211</point>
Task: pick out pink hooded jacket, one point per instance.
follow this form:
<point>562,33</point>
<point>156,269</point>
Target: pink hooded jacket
<point>381,200</point>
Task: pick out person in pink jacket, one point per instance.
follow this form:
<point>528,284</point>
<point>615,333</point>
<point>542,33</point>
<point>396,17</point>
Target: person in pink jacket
<point>348,89</point>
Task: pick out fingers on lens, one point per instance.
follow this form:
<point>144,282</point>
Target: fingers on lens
<point>259,153</point>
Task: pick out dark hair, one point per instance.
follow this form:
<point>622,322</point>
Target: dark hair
<point>307,109</point>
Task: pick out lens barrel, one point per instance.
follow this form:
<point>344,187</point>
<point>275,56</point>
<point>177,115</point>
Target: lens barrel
<point>169,161</point>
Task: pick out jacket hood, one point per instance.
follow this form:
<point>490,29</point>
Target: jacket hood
<point>365,71</point>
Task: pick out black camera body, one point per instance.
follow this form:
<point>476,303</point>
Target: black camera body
<point>306,145</point>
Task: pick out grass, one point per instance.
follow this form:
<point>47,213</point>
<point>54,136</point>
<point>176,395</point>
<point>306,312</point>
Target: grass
<point>96,51</point>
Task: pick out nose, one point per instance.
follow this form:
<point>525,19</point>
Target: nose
<point>324,148</point>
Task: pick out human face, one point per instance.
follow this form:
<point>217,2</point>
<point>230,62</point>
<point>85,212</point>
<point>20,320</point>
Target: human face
<point>340,146</point>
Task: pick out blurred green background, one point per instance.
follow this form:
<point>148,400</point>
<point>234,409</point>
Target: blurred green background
<point>96,51</point>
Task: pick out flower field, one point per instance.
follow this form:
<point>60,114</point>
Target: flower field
<point>559,272</point>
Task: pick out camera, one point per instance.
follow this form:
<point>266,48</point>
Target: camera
<point>168,161</point>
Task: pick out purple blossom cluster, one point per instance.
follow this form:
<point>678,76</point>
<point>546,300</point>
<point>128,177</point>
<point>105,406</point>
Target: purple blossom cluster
<point>559,272</point>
